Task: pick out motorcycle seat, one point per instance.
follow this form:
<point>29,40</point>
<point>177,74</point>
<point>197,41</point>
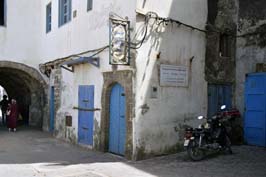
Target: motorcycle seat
<point>198,129</point>
<point>189,129</point>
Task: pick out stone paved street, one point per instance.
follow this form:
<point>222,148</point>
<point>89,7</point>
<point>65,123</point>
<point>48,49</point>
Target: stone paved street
<point>32,153</point>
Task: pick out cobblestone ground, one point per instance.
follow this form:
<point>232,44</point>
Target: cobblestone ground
<point>32,153</point>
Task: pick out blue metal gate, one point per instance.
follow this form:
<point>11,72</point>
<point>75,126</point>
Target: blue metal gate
<point>85,116</point>
<point>255,109</point>
<point>52,109</point>
<point>117,129</point>
<point>219,95</point>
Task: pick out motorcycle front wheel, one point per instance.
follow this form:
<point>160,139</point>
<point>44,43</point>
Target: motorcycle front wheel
<point>195,153</point>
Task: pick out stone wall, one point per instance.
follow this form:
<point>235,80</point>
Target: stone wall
<point>220,52</point>
<point>59,122</point>
<point>251,43</point>
<point>29,88</point>
<point>243,22</point>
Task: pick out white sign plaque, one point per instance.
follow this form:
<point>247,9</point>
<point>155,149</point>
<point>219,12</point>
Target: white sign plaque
<point>172,75</point>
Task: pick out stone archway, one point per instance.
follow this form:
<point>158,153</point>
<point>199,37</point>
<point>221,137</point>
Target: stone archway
<point>28,87</point>
<point>124,78</point>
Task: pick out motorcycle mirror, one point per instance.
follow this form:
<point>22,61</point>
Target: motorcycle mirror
<point>200,117</point>
<point>223,107</point>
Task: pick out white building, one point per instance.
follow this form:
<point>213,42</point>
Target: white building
<point>136,110</point>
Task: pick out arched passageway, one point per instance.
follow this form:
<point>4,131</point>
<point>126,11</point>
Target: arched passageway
<point>27,86</point>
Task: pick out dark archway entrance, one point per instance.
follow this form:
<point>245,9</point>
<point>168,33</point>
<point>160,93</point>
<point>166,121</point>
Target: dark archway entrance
<point>27,86</point>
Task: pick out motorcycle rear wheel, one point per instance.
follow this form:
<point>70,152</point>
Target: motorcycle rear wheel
<point>194,152</point>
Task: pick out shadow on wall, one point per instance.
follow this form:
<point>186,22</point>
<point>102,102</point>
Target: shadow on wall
<point>172,44</point>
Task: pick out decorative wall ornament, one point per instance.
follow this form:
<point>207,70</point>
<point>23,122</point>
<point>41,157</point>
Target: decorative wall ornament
<point>119,39</point>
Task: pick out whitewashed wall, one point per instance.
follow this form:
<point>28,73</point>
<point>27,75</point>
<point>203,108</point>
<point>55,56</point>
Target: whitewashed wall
<point>87,31</point>
<point>25,34</point>
<point>159,129</point>
<point>20,38</point>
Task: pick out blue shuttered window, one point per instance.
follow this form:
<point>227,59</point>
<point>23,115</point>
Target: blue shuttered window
<point>89,5</point>
<point>65,10</point>
<point>49,17</point>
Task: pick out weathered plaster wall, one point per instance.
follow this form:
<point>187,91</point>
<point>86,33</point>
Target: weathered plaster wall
<point>250,48</point>
<point>222,19</point>
<point>159,122</point>
<point>171,110</point>
<point>87,31</point>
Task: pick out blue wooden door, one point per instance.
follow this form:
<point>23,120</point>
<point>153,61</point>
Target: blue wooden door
<point>52,109</point>
<point>219,95</point>
<point>117,129</point>
<point>255,109</point>
<point>85,115</point>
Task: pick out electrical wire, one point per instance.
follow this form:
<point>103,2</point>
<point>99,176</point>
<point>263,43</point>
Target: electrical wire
<point>147,18</point>
<point>159,21</point>
<point>98,50</point>
<point>170,20</point>
<point>139,44</point>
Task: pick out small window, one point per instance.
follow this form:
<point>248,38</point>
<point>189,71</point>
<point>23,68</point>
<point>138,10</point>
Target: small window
<point>2,12</point>
<point>49,17</point>
<point>65,10</point>
<point>224,48</point>
<point>89,5</point>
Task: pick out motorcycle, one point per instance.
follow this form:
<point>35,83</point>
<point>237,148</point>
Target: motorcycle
<point>209,136</point>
